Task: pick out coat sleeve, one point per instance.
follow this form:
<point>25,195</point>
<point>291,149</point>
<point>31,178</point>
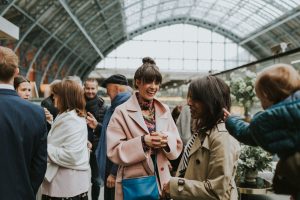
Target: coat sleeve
<point>122,149</point>
<point>73,150</point>
<point>39,160</point>
<point>240,130</point>
<point>221,170</point>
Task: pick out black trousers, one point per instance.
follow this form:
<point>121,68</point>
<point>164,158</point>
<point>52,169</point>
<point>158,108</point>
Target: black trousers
<point>94,179</point>
<point>83,196</point>
<point>109,193</point>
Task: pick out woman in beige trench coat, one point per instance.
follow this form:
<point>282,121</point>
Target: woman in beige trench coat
<point>209,162</point>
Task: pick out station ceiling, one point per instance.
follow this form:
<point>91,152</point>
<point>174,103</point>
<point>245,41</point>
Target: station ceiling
<point>67,37</point>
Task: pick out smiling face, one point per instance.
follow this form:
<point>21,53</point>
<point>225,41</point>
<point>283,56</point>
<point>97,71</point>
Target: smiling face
<point>147,90</point>
<point>24,90</point>
<point>90,89</point>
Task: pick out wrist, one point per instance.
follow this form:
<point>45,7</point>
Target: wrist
<point>145,147</point>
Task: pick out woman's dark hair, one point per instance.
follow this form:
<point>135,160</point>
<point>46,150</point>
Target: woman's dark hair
<point>18,80</point>
<point>148,72</point>
<point>70,96</point>
<point>214,93</point>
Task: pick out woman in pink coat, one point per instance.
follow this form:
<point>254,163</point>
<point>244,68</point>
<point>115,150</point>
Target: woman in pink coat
<point>142,132</point>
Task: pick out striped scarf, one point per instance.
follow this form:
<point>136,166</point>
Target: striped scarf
<point>186,155</point>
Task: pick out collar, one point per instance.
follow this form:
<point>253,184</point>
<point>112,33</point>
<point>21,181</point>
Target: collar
<point>7,86</point>
<point>120,98</point>
<point>220,127</point>
<point>144,104</point>
<point>133,105</point>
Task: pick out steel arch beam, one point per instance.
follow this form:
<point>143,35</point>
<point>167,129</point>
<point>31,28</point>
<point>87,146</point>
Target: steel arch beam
<point>293,14</point>
<point>88,70</point>
<point>123,18</point>
<point>72,64</point>
<point>190,11</point>
<point>80,66</point>
<point>64,61</point>
<point>44,29</point>
<point>42,47</point>
<point>35,22</point>
<point>74,18</point>
<point>107,26</point>
<point>96,60</point>
<point>54,56</point>
<point>72,36</point>
<point>103,24</point>
<point>192,21</point>
<point>62,64</point>
<point>7,8</point>
<point>70,69</point>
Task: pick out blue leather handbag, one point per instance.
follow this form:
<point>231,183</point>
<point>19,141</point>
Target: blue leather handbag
<point>141,188</point>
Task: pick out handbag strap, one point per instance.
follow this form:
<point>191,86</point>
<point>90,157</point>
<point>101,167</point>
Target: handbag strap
<point>154,160</point>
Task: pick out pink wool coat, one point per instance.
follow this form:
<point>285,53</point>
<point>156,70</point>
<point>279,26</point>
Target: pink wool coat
<point>124,146</point>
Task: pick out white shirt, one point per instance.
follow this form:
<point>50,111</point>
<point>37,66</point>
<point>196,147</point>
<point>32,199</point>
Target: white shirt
<point>6,86</point>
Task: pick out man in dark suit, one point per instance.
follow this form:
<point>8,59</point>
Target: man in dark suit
<point>23,133</point>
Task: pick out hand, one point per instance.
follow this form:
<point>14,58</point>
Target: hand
<point>166,190</point>
<point>226,114</point>
<point>111,181</point>
<point>89,145</point>
<point>91,120</point>
<point>48,115</point>
<point>156,140</point>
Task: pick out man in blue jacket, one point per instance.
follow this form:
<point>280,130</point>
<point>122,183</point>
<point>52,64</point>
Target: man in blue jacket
<point>118,92</point>
<point>23,133</point>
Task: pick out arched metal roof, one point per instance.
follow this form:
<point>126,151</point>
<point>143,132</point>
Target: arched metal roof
<point>66,37</point>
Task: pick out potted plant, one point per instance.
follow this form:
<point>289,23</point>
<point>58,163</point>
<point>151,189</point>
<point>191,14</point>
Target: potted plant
<point>242,89</point>
<point>251,161</point>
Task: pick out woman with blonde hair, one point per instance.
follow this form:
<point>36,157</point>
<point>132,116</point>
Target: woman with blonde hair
<point>67,174</point>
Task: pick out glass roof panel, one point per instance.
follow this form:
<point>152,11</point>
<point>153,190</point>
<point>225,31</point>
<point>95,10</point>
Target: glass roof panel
<point>133,18</point>
<point>129,2</point>
<point>150,3</point>
<point>239,16</point>
<point>167,6</point>
<point>132,27</point>
<point>181,11</point>
<point>150,11</point>
<point>148,20</point>
<point>185,3</point>
<point>133,9</point>
<point>164,15</point>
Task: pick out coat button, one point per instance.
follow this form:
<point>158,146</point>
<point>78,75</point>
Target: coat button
<point>197,161</point>
<point>162,169</point>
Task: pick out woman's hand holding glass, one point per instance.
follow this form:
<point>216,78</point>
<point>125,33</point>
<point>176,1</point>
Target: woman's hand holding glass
<point>156,140</point>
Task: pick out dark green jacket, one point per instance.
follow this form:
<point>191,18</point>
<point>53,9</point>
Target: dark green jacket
<point>277,129</point>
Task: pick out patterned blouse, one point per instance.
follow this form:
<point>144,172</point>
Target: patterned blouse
<point>150,118</point>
